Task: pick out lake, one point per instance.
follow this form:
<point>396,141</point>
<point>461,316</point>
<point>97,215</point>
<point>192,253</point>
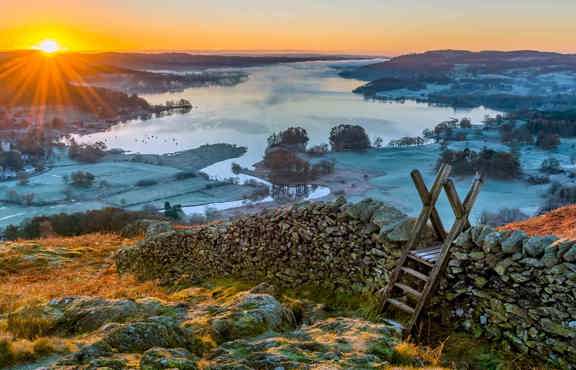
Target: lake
<point>311,95</point>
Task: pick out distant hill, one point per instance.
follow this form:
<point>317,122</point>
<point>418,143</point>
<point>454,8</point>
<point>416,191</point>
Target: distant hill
<point>186,61</point>
<point>440,62</point>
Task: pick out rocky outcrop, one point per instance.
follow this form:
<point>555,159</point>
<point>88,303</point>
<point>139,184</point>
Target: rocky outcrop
<point>162,358</point>
<point>78,315</point>
<point>250,315</point>
<point>249,330</point>
<point>515,289</point>
<point>140,336</point>
<point>335,343</point>
<point>333,246</point>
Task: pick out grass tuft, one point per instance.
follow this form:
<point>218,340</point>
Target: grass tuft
<point>28,323</point>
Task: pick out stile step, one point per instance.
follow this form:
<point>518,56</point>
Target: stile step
<point>408,290</point>
<point>415,273</point>
<point>400,305</point>
<point>420,260</point>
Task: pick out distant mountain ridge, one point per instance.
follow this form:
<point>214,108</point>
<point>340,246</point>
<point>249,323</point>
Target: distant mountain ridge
<point>443,61</point>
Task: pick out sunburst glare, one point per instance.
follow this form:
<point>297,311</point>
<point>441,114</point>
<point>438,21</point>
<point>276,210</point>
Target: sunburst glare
<point>48,46</point>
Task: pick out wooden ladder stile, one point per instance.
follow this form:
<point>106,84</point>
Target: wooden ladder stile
<point>429,200</point>
<point>437,256</point>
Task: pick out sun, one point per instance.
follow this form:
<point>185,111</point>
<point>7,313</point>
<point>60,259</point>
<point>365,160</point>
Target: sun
<point>48,46</point>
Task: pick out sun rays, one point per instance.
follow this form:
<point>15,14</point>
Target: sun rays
<point>35,80</point>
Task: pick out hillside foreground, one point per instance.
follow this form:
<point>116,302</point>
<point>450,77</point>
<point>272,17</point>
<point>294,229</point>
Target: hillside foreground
<point>63,305</point>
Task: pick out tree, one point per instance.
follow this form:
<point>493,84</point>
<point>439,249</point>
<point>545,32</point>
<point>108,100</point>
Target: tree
<point>286,166</point>
<point>465,123</point>
<point>11,160</point>
<point>82,179</point>
<point>551,166</point>
<point>296,137</point>
<point>88,153</point>
<point>236,168</point>
<point>34,143</point>
<point>547,141</point>
<point>23,178</point>
<point>57,123</point>
<point>349,138</point>
<point>499,165</point>
<point>174,212</point>
<point>27,199</point>
<point>318,150</point>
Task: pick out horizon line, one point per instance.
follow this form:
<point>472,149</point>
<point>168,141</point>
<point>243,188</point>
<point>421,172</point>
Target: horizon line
<point>375,54</point>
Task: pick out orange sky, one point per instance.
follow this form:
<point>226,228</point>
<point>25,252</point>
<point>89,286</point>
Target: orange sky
<point>365,26</point>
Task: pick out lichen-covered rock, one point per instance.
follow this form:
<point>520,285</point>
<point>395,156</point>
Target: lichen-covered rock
<point>400,232</point>
<point>570,255</point>
<point>535,246</point>
<point>551,255</point>
<point>387,218</point>
<point>249,315</point>
<point>137,337</point>
<point>172,358</point>
<point>464,240</point>
<point>86,314</point>
<point>336,343</point>
<point>78,315</point>
<point>513,243</point>
<point>145,228</point>
<point>491,243</point>
<point>86,355</point>
<point>363,210</point>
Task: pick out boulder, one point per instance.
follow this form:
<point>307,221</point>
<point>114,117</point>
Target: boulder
<point>491,243</point>
<point>363,210</point>
<point>513,243</point>
<point>479,233</point>
<point>570,254</point>
<point>159,331</point>
<point>464,240</point>
<point>78,315</point>
<point>249,315</point>
<point>335,343</point>
<point>387,218</point>
<point>535,246</point>
<point>142,227</point>
<point>551,256</point>
<point>172,358</point>
<point>86,314</point>
<point>400,232</point>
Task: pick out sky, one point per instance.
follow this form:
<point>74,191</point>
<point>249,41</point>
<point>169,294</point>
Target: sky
<point>385,27</point>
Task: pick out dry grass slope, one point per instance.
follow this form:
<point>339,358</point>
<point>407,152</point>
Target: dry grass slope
<point>35,272</point>
<point>39,270</point>
<point>560,222</point>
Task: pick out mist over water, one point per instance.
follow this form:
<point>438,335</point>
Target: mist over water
<point>310,94</point>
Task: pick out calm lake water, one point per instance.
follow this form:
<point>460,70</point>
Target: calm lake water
<point>310,95</point>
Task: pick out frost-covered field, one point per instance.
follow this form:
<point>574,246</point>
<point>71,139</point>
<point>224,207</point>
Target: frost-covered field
<point>115,185</point>
<point>396,187</point>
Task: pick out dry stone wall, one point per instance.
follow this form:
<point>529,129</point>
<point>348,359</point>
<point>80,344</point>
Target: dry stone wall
<point>333,246</point>
<point>513,289</point>
<point>506,286</point>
